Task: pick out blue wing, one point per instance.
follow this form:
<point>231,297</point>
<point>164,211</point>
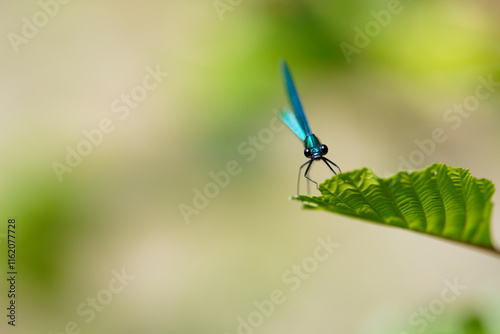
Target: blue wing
<point>289,118</point>
<point>294,100</point>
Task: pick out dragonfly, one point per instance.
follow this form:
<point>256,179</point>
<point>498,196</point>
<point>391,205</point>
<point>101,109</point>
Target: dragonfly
<point>297,122</point>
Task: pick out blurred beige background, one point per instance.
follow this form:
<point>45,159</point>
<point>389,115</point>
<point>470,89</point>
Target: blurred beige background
<point>158,95</point>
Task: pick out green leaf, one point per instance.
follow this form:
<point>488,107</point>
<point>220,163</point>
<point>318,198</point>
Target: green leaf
<point>440,200</point>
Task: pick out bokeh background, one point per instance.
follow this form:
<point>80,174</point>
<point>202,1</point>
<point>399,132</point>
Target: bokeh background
<point>120,207</point>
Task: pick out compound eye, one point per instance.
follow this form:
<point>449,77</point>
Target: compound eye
<point>323,149</point>
<point>307,153</point>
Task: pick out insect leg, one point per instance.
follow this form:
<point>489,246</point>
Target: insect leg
<point>308,163</point>
<point>306,174</point>
<point>326,160</point>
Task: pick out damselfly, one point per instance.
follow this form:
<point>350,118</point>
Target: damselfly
<point>298,123</point>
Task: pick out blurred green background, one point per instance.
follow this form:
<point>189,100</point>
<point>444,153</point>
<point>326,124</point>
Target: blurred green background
<point>120,208</point>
